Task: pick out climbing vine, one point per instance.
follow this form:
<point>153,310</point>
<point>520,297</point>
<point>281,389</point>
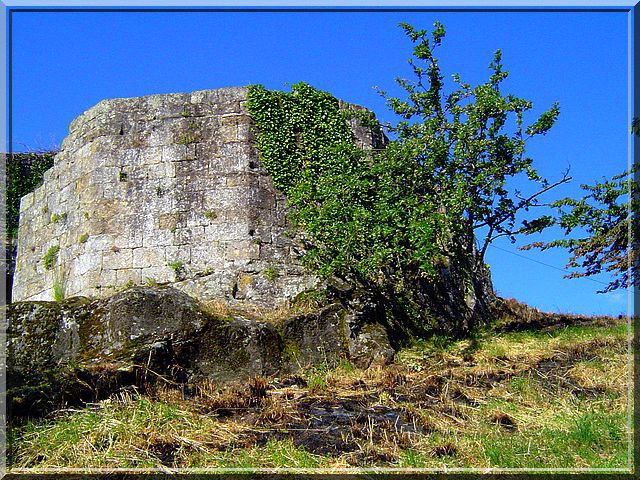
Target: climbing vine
<point>24,174</point>
<point>366,215</point>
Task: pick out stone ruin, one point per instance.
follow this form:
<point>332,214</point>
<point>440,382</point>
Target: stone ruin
<point>162,189</point>
<point>156,211</point>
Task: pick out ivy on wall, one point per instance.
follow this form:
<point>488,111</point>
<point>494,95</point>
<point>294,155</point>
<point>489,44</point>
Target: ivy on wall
<point>367,215</point>
<point>25,173</point>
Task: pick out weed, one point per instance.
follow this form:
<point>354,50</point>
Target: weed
<point>189,136</point>
<point>58,289</point>
<point>130,283</point>
<point>122,176</point>
<point>310,299</point>
<point>51,257</point>
<point>55,218</point>
<point>83,238</point>
<point>178,269</point>
<point>210,215</point>
<point>257,390</point>
<point>317,378</point>
<point>151,282</point>
<point>270,273</point>
<point>45,210</point>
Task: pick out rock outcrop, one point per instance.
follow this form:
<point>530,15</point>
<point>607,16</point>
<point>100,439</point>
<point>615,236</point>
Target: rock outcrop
<point>86,349</point>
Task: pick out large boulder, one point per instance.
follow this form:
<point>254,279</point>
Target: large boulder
<point>82,349</point>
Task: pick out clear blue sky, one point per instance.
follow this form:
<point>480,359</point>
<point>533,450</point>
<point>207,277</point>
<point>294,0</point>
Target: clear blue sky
<point>63,63</point>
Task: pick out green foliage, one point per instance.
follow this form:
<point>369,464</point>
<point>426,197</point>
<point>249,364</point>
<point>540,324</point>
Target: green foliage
<point>600,232</point>
<point>461,142</point>
<point>178,269</point>
<point>270,273</point>
<point>51,257</point>
<point>24,174</point>
<point>58,289</point>
<point>83,238</point>
<point>310,299</point>
<point>316,378</point>
<point>188,136</point>
<point>367,216</point>
<point>62,217</point>
<point>210,215</point>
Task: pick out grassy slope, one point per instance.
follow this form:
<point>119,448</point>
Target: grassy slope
<point>547,398</point>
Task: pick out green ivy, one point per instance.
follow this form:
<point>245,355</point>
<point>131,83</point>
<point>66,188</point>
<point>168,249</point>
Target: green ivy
<point>25,173</point>
<point>366,215</point>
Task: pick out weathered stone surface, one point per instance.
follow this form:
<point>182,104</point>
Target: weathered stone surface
<point>168,190</point>
<point>82,349</point>
<point>144,184</point>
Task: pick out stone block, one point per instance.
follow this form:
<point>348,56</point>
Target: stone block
<point>159,274</point>
<point>243,250</point>
<point>86,262</point>
<point>128,275</point>
<point>147,257</point>
<point>26,202</point>
<point>117,258</point>
<point>173,253</point>
<point>173,153</point>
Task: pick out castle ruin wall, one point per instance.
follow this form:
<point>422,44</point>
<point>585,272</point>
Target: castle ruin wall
<point>162,189</point>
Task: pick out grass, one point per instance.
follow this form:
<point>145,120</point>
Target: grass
<point>527,399</point>
<point>51,257</point>
<point>58,290</point>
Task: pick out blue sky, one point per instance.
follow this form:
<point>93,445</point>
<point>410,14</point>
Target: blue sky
<point>63,63</point>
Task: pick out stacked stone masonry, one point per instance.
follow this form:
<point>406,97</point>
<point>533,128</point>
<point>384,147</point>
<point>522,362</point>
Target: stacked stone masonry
<point>164,189</point>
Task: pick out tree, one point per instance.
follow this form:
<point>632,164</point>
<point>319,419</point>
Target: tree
<point>460,142</point>
<point>400,219</point>
<point>601,232</point>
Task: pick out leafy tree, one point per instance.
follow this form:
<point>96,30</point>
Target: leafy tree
<point>460,141</point>
<point>601,234</point>
<point>393,218</point>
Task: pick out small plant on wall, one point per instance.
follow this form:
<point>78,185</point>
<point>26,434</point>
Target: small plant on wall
<point>58,288</point>
<point>270,273</point>
<point>51,257</point>
<point>178,269</point>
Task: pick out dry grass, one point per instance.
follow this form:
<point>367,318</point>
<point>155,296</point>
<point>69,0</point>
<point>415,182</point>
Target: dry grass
<point>554,398</point>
